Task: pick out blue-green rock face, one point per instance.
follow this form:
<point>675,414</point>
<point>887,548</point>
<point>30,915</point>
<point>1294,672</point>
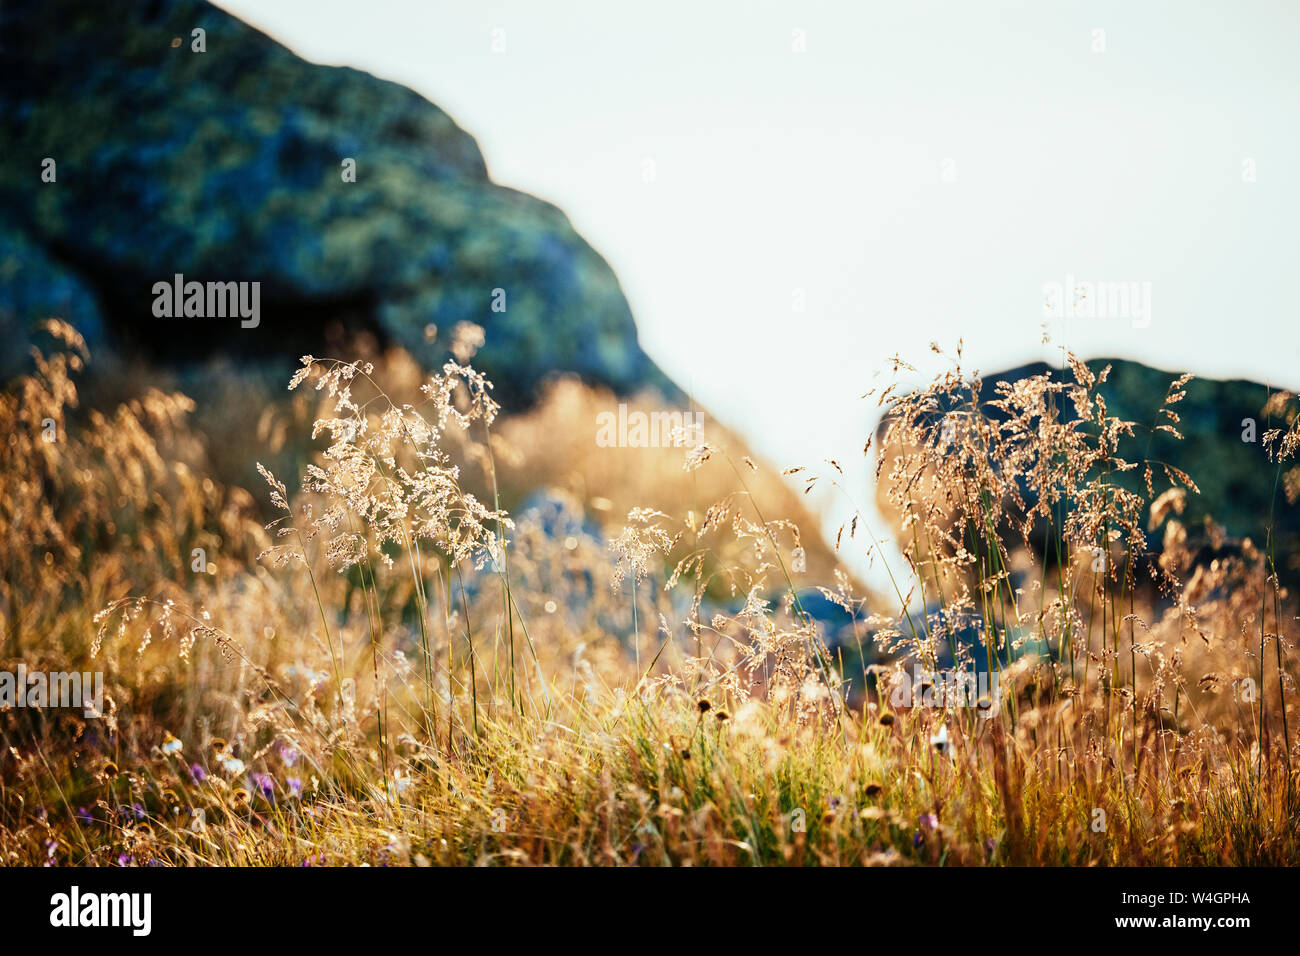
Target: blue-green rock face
<point>233,165</point>
<point>1223,424</point>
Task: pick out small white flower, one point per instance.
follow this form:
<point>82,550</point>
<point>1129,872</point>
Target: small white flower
<point>939,741</point>
<point>232,765</point>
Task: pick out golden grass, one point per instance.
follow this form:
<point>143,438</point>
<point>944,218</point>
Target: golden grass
<point>387,666</point>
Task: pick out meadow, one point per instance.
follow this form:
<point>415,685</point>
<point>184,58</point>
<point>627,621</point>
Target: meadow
<point>369,658</point>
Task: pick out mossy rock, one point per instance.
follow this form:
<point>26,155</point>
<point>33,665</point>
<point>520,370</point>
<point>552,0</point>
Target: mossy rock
<point>228,165</point>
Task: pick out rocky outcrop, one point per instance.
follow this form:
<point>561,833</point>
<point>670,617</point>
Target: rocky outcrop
<point>1223,424</point>
<point>137,149</point>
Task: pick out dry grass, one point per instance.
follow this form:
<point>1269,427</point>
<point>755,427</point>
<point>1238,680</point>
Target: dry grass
<point>385,665</point>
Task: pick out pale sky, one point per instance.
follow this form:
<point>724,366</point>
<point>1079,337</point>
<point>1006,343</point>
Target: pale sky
<point>824,174</point>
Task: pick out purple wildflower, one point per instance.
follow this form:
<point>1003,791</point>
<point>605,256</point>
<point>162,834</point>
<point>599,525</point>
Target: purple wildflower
<point>263,783</point>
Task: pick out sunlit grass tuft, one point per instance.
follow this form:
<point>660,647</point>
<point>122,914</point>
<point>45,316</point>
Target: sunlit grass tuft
<point>395,670</point>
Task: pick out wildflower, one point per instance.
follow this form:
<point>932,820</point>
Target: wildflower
<point>873,790</point>
<point>232,765</point>
<point>218,745</point>
<point>289,756</point>
<point>110,769</point>
<point>295,788</point>
<point>703,705</point>
<point>170,744</point>
<point>84,816</point>
<point>930,821</point>
<point>264,784</point>
<point>198,773</point>
<point>241,797</point>
<point>939,741</point>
